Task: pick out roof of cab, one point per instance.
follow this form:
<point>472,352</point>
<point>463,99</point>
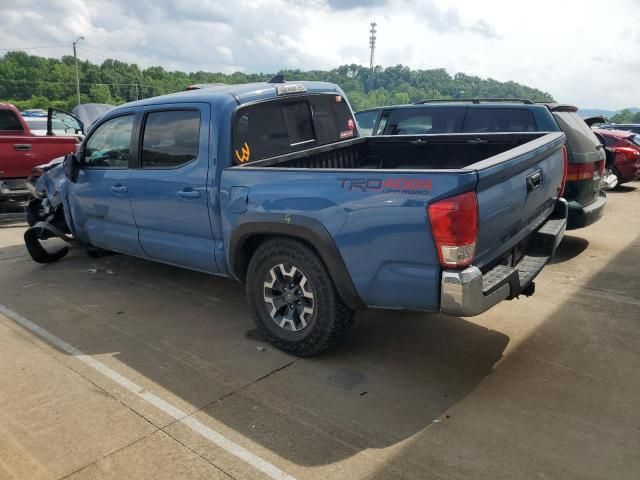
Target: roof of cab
<point>241,93</point>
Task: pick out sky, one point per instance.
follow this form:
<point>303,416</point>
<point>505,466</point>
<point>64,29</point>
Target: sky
<point>584,52</point>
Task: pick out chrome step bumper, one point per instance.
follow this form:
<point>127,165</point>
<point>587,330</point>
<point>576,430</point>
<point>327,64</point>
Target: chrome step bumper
<point>469,292</point>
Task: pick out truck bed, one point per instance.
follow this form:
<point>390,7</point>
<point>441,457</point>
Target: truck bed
<point>406,152</point>
<point>371,196</point>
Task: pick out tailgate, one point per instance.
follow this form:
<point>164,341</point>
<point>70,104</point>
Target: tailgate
<point>517,190</point>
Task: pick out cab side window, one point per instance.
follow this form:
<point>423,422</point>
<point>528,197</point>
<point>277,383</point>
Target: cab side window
<point>171,138</point>
<point>109,145</point>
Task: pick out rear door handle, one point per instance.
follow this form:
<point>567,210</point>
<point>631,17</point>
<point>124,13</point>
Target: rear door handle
<point>189,194</point>
<point>534,181</point>
<point>22,147</point>
<point>119,189</point>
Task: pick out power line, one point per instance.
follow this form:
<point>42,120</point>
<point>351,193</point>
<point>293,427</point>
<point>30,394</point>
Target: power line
<point>93,51</point>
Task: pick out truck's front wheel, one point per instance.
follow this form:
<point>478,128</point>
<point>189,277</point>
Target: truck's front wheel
<point>293,299</point>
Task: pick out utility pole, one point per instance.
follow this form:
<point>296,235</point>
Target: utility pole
<point>75,56</point>
<point>372,42</point>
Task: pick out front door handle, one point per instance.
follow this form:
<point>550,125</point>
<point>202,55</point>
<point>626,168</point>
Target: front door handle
<point>22,147</point>
<point>189,194</point>
<point>119,189</point>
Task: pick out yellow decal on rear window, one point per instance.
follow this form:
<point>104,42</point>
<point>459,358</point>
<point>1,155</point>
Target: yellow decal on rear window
<point>244,154</point>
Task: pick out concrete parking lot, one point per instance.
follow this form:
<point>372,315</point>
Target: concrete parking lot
<point>122,368</point>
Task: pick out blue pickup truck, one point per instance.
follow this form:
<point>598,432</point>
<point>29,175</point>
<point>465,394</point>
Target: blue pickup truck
<point>270,184</point>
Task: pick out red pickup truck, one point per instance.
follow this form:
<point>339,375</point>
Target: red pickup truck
<point>20,151</point>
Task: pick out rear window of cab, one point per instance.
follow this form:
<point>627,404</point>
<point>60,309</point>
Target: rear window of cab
<point>277,127</point>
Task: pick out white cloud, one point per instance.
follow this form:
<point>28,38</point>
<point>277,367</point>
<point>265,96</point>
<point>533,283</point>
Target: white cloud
<point>566,48</point>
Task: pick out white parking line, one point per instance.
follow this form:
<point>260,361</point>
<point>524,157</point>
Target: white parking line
<point>215,437</point>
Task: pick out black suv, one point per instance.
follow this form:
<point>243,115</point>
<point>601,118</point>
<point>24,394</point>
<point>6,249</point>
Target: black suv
<point>586,155</point>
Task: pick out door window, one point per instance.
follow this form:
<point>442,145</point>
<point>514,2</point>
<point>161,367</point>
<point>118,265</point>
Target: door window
<point>171,138</point>
<point>109,145</point>
<point>65,122</point>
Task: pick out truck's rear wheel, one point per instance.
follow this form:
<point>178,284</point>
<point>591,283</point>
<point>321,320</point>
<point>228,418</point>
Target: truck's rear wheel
<point>293,299</point>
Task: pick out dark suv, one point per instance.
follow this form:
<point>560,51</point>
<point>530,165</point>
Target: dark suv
<point>587,158</point>
<point>586,155</point>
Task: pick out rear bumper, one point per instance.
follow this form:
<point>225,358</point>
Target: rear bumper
<point>628,170</point>
<point>469,292</point>
<point>580,217</point>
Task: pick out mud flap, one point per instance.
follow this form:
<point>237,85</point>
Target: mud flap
<point>35,248</point>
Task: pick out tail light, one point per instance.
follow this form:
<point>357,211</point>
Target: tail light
<point>565,166</point>
<point>454,226</point>
<point>584,171</point>
<point>630,152</point>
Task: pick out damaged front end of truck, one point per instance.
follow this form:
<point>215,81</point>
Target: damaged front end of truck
<point>47,212</point>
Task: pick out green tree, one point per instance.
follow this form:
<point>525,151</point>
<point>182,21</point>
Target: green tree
<point>100,94</point>
<point>36,82</point>
<point>626,116</point>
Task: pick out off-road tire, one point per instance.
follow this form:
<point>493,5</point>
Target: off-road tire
<point>331,318</point>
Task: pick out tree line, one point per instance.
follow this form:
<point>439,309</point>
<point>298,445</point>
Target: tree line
<point>30,81</point>
<point>626,116</point>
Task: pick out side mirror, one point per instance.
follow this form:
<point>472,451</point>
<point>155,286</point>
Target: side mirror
<point>71,167</point>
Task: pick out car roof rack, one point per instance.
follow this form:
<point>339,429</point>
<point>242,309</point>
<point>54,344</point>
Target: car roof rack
<point>476,100</point>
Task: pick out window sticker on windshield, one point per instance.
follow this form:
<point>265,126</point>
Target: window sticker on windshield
<point>338,98</point>
<point>244,155</point>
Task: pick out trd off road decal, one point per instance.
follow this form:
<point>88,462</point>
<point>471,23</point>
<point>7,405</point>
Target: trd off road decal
<point>244,154</point>
<point>411,186</point>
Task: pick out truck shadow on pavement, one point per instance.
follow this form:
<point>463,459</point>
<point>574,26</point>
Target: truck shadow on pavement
<point>622,189</point>
<point>570,248</point>
<point>562,404</point>
<point>189,335</point>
